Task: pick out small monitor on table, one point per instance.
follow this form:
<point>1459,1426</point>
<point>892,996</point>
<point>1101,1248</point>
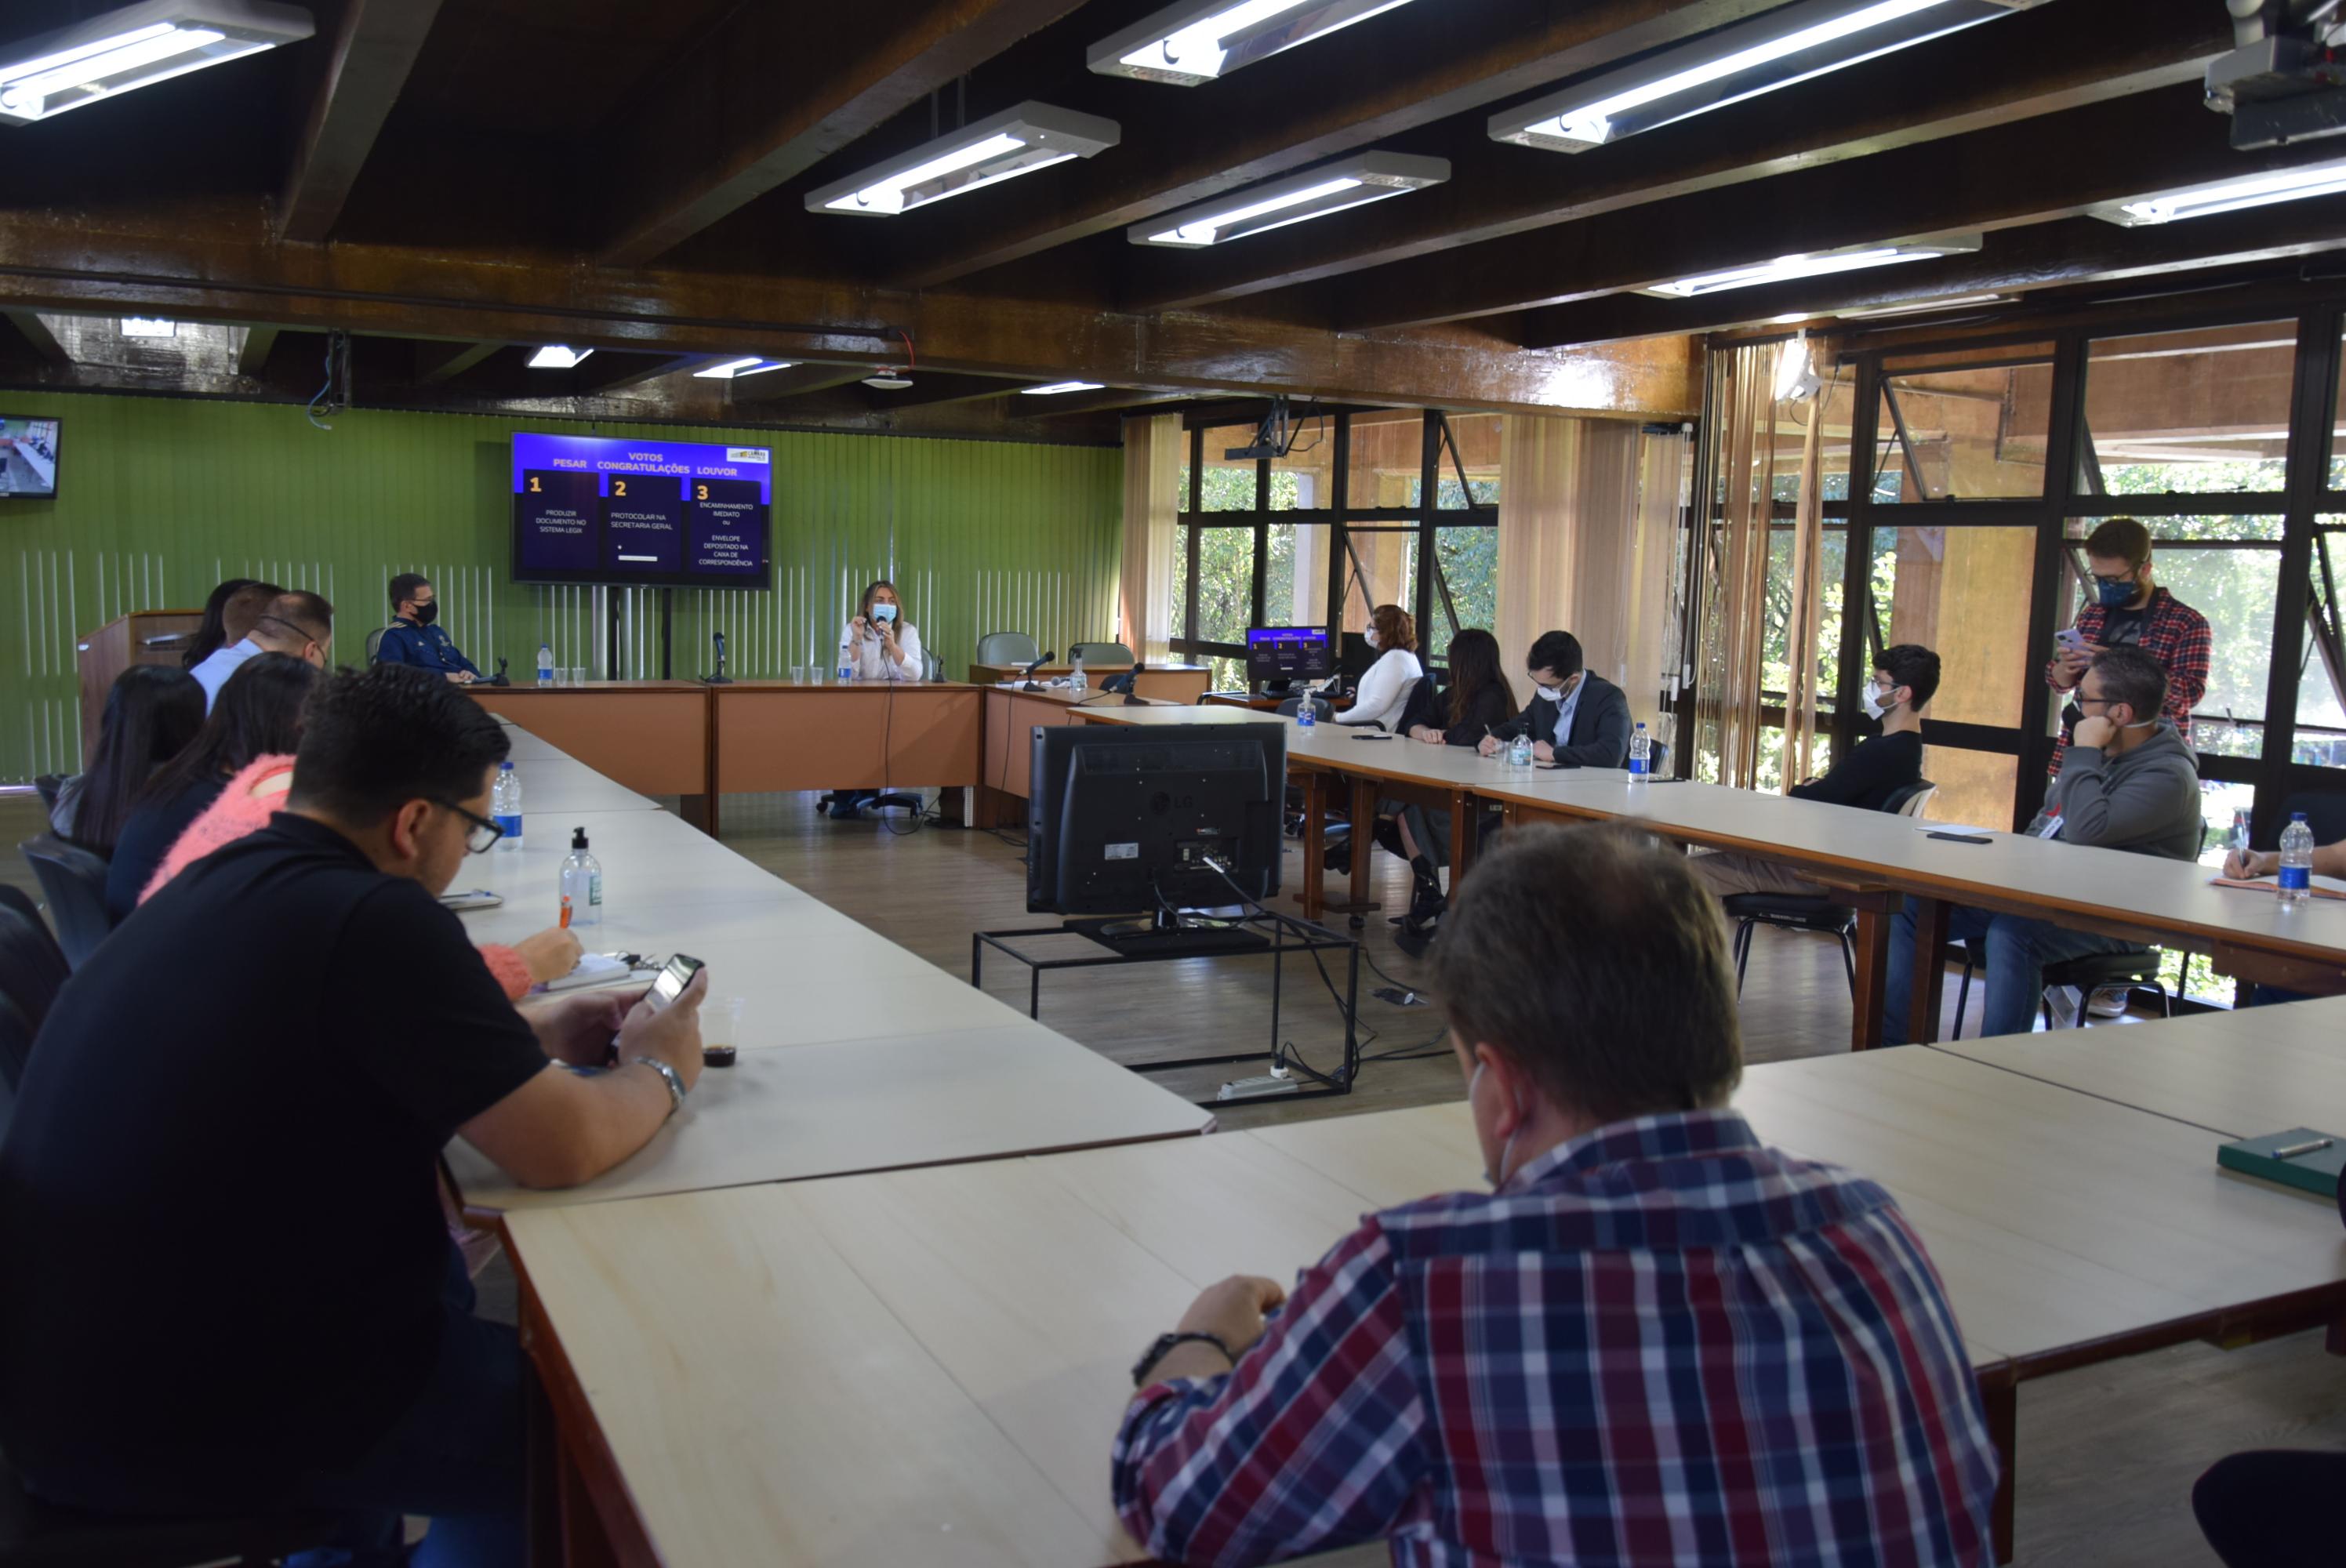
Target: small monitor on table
<point>1278,656</point>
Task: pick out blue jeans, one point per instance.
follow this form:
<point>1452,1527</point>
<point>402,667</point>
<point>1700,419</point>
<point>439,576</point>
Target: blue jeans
<point>457,1456</point>
<point>2018,949</point>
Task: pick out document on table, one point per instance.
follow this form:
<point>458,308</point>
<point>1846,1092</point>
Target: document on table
<point>2324,887</point>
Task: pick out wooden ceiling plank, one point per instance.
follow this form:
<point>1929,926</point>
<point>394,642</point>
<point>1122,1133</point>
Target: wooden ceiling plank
<point>38,338</point>
<point>798,380</point>
<point>607,373</point>
<point>373,50</point>
<point>437,363</point>
<point>1993,179</point>
<point>2036,63</point>
<point>1408,68</point>
<point>809,80</point>
<point>253,354</point>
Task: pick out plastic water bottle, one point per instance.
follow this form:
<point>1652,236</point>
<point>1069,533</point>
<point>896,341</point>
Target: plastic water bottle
<point>1641,755</point>
<point>546,664</point>
<point>1307,714</point>
<point>2296,861</point>
<point>582,885</point>
<point>1076,682</point>
<point>846,664</point>
<point>1519,750</point>
<point>505,805</point>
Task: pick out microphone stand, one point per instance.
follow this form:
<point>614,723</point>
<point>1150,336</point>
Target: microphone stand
<point>720,677</point>
<point>1027,674</point>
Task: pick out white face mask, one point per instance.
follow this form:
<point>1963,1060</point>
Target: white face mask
<point>1878,702</point>
<point>1370,636</point>
<point>1498,1177</point>
<point>883,611</point>
<point>1552,693</point>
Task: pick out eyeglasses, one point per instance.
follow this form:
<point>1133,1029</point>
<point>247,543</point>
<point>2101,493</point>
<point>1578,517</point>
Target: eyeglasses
<point>482,833</point>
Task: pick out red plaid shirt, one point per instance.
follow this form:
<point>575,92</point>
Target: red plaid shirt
<point>2175,635</point>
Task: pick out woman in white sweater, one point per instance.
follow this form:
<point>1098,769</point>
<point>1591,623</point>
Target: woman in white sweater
<point>1384,690</point>
<point>878,644</point>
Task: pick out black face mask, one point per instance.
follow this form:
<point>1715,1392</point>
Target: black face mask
<point>427,614</point>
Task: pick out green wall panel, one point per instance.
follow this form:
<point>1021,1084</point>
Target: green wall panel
<point>160,498</point>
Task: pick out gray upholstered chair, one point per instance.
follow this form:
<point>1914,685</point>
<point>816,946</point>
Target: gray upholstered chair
<point>1006,648</point>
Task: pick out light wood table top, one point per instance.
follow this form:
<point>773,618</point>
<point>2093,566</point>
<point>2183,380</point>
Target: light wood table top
<point>652,862</point>
<point>2239,1074</point>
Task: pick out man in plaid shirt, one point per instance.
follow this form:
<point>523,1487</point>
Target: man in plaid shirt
<point>1658,1341</point>
<point>2130,611</point>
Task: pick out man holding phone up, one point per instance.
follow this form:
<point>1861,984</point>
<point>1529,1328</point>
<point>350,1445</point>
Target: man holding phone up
<point>2129,610</point>
<point>231,1288</point>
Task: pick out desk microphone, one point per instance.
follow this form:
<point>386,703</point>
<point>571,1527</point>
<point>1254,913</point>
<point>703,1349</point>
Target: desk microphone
<point>1027,674</point>
<point>499,678</point>
<point>720,677</point>
<point>1128,683</point>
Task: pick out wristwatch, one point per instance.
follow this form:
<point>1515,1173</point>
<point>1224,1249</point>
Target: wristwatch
<point>667,1076</point>
<point>1164,1343</point>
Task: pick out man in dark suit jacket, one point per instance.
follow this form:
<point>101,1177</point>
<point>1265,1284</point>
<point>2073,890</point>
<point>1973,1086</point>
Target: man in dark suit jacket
<point>1579,719</point>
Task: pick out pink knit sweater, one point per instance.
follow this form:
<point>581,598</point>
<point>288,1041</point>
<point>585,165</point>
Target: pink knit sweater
<point>239,811</point>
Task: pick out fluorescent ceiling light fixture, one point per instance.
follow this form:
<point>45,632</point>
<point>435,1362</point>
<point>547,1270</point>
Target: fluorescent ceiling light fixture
<point>1018,140</point>
<point>1315,193</point>
<point>136,46</point>
<point>1914,307</point>
<point>1056,388</point>
<point>1192,44</point>
<point>558,357</point>
<point>1817,264</point>
<point>1773,50</point>
<point>149,327</point>
<point>733,370</point>
<point>2226,195</point>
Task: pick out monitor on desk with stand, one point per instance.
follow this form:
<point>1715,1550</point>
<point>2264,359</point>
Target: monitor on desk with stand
<point>1278,656</point>
<point>1153,823</point>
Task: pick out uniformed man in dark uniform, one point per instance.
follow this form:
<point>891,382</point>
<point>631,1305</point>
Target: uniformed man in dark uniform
<point>415,637</point>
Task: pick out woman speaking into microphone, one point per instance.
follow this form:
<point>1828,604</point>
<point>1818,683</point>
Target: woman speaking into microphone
<point>878,644</point>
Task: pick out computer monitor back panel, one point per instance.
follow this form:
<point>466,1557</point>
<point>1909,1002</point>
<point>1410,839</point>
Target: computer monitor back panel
<point>1130,820</point>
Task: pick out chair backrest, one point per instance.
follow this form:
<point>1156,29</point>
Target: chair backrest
<point>1100,656</point>
<point>1908,800</point>
<point>74,881</point>
<point>1006,647</point>
<point>375,644</point>
<point>16,1049</point>
<point>933,668</point>
<point>48,785</point>
<point>2325,813</point>
<point>1321,708</point>
<point>33,967</point>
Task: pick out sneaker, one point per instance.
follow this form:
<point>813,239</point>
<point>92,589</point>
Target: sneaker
<point>2110,1001</point>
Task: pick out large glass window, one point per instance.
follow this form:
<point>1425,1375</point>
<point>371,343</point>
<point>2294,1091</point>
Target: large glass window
<point>1230,482</point>
<point>1305,479</point>
<point>1295,573</point>
<point>1965,432</point>
<point>2200,411</point>
<point>2321,669</point>
<point>1474,451</point>
<point>1387,467</point>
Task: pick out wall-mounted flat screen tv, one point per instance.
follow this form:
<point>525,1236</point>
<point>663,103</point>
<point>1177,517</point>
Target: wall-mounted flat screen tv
<point>28,457</point>
<point>664,513</point>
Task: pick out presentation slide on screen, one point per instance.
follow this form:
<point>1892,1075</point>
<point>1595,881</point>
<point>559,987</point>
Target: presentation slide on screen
<point>594,509</point>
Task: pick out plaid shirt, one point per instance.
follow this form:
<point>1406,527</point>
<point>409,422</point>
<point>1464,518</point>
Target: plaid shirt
<point>2175,635</point>
<point>1661,1343</point>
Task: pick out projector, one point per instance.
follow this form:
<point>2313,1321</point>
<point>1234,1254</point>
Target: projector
<point>2279,90</point>
<point>1248,454</point>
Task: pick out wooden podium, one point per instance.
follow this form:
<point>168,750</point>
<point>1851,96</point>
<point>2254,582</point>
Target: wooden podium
<point>142,637</point>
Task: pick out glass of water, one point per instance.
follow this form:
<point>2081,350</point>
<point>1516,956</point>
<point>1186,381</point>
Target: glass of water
<point>798,675</point>
<point>579,675</point>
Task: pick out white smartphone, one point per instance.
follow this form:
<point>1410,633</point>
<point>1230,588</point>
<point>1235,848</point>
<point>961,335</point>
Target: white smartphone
<point>2070,637</point>
<point>674,976</point>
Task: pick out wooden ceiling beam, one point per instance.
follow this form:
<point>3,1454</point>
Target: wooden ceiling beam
<point>373,50</point>
<point>226,267</point>
<point>37,337</point>
<point>930,387</point>
<point>798,380</point>
<point>2004,176</point>
<point>253,354</point>
<point>2032,64</point>
<point>1407,69</point>
<point>2077,251</point>
<point>780,88</point>
<point>615,372</point>
<point>437,361</point>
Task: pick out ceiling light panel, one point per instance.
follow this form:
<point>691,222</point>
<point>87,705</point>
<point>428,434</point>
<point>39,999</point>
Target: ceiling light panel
<point>734,370</point>
<point>1019,141</point>
<point>1914,307</point>
<point>558,357</point>
<point>1813,264</point>
<point>2227,196</point>
<point>1191,45</point>
<point>1315,193</point>
<point>1773,50</point>
<point>136,46</point>
<point>1056,388</point>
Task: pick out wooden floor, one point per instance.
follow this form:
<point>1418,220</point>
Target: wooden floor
<point>2108,1453</point>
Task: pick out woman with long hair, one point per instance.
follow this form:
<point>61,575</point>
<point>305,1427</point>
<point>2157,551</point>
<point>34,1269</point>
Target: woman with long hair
<point>1384,690</point>
<point>211,634</point>
<point>258,711</point>
<point>1478,701</point>
<point>879,644</point>
<point>151,713</point>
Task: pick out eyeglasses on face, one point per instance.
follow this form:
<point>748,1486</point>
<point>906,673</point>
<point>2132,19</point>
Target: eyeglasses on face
<point>482,833</point>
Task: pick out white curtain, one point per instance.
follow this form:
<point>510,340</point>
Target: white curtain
<point>1153,448</point>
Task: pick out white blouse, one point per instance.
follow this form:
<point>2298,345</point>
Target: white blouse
<point>1384,690</point>
<point>867,655</point>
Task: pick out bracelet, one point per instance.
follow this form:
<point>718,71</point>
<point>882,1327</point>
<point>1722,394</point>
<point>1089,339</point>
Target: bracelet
<point>1164,1345</point>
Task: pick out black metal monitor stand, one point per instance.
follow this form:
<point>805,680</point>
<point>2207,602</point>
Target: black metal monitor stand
<point>1167,936</point>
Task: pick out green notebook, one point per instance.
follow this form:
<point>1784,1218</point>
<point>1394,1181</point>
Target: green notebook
<point>2314,1172</point>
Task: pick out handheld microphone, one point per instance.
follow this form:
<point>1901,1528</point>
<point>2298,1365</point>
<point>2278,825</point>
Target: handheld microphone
<point>720,677</point>
<point>1027,674</point>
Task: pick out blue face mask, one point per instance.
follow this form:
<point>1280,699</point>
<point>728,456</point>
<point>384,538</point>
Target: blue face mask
<point>883,611</point>
<point>2114,596</point>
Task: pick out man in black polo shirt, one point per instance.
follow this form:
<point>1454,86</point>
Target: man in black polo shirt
<point>230,1282</point>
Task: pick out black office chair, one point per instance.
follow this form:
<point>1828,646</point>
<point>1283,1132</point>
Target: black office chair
<point>2137,969</point>
<point>1810,911</point>
<point>74,880</point>
<point>35,1534</point>
<point>33,970</point>
<point>48,785</point>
